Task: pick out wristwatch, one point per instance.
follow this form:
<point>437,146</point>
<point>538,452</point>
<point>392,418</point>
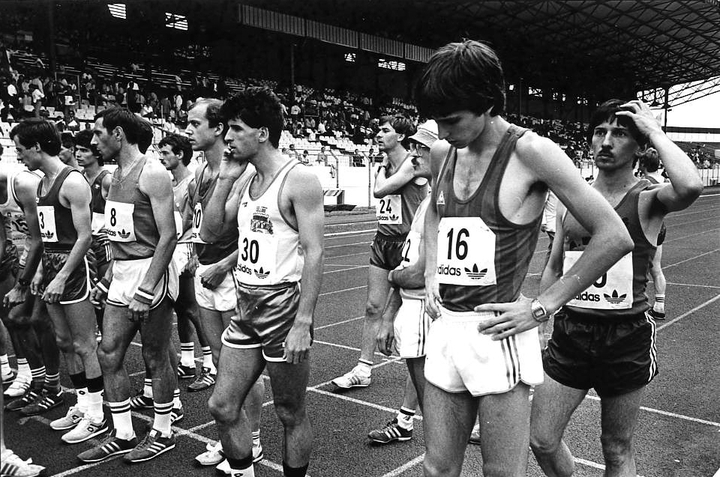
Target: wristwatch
<point>539,312</point>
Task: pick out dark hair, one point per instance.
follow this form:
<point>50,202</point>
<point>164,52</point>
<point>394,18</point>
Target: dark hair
<point>67,140</point>
<point>402,125</point>
<point>84,139</point>
<point>460,76</point>
<point>178,144</point>
<point>606,112</point>
<point>257,107</point>
<point>650,160</point>
<point>146,135</point>
<point>122,117</point>
<point>212,112</point>
<point>38,131</point>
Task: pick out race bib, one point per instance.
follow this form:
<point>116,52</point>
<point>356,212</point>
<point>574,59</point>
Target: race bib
<point>389,210</point>
<point>410,250</point>
<point>48,229</point>
<point>612,291</point>
<point>197,224</point>
<point>178,224</point>
<point>119,221</point>
<point>257,257</point>
<point>465,252</point>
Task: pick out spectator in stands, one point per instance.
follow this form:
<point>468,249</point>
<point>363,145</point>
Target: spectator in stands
<point>293,153</point>
<point>73,125</point>
<point>322,158</point>
<point>305,158</point>
<point>358,159</point>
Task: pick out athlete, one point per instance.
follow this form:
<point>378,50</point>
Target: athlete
<point>605,338</point>
<point>405,324</point>
<point>280,220</point>
<point>139,286</point>
<point>481,229</point>
<point>63,214</point>
<point>400,192</point>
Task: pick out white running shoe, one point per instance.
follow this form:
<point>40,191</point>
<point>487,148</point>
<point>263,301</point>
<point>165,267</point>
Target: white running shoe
<point>19,386</point>
<point>352,379</point>
<point>86,429</point>
<point>68,421</point>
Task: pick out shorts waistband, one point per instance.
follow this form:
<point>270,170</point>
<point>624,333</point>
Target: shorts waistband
<point>609,319</point>
<point>391,238</point>
<point>461,316</point>
<point>276,286</point>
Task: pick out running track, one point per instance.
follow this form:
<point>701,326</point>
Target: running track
<point>679,427</point>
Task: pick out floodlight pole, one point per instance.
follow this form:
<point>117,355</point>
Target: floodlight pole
<point>665,106</point>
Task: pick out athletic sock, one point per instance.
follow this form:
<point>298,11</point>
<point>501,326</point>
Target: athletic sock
<point>176,399</point>
<point>23,367</point>
<point>187,354</point>
<point>294,471</point>
<point>659,305</point>
<point>52,382</point>
<point>207,361</point>
<point>365,367</point>
<point>95,398</point>
<point>256,438</point>
<point>5,364</point>
<point>244,466</point>
<point>122,419</point>
<point>162,420</point>
<point>38,377</point>
<point>405,418</point>
<point>147,387</point>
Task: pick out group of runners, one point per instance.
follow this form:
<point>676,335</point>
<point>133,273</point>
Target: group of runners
<point>235,249</point>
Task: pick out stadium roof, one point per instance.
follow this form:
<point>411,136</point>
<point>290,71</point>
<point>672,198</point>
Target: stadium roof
<point>586,48</point>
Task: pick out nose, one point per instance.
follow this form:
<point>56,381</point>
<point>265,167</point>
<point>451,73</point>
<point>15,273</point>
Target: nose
<point>607,139</point>
<point>93,140</point>
<point>442,131</point>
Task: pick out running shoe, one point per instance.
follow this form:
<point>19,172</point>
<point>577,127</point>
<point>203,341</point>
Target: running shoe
<point>353,379</point>
<point>19,386</point>
<point>141,401</point>
<point>12,465</point>
<point>204,381</point>
<point>28,398</point>
<point>9,377</point>
<point>212,455</point>
<point>257,452</point>
<point>45,401</point>
<point>176,414</point>
<point>68,421</point>
<point>152,445</point>
<point>186,372</point>
<point>657,315</point>
<point>86,429</point>
<point>110,446</point>
<point>390,433</point>
<point>475,435</point>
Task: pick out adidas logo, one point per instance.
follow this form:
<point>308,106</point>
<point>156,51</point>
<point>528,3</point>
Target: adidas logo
<point>394,217</point>
<point>614,298</point>
<point>440,199</point>
<point>476,274</point>
<point>124,234</point>
<point>47,235</point>
<point>261,273</point>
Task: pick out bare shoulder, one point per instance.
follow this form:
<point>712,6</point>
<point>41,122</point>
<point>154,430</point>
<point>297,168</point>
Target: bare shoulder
<point>302,180</point>
<point>543,157</point>
<point>532,146</point>
<point>154,178</point>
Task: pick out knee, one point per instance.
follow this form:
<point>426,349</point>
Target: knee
<point>109,359</point>
<point>542,444</point>
<point>373,309</point>
<point>290,415</point>
<point>438,467</point>
<point>85,348</point>
<point>154,358</point>
<point>223,411</point>
<point>64,343</point>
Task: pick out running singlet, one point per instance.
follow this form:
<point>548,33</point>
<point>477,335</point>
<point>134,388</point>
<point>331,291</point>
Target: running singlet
<point>97,203</point>
<point>269,247</point>
<point>182,209</point>
<point>129,217</point>
<point>209,253</point>
<point>411,249</point>
<point>621,291</point>
<point>482,257</point>
<point>16,229</point>
<point>395,212</point>
<point>57,229</point>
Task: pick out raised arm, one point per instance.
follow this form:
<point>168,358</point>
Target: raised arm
<point>385,185</point>
<point>221,211</point>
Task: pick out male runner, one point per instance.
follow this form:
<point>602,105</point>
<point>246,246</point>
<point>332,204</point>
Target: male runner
<point>280,219</point>
<point>63,214</point>
<point>140,285</point>
<point>405,324</point>
<point>605,338</point>
<point>481,230</point>
<point>400,192</point>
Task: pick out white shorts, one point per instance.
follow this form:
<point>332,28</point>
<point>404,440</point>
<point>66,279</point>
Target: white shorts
<point>222,298</point>
<point>461,359</point>
<point>411,328</point>
<point>128,275</point>
<point>183,256</point>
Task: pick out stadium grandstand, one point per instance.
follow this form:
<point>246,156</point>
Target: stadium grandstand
<point>337,67</point>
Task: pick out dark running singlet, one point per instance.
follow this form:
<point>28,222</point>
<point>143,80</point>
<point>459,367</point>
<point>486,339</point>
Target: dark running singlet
<point>621,291</point>
<point>482,256</point>
<point>57,229</point>
<point>395,212</point>
<point>129,217</point>
<point>209,253</point>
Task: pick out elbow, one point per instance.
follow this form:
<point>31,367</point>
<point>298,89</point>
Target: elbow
<point>624,243</point>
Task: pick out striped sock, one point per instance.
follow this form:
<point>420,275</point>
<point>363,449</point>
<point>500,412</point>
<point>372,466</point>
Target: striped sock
<point>405,418</point>
<point>162,417</point>
<point>52,382</point>
<point>176,399</point>
<point>5,365</point>
<point>187,354</point>
<point>23,367</point>
<point>207,358</point>
<point>147,387</point>
<point>659,305</point>
<point>38,377</point>
<point>122,419</point>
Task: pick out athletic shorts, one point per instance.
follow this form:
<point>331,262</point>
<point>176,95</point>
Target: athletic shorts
<point>411,328</point>
<point>183,257</point>
<point>128,275</point>
<point>77,286</point>
<point>386,251</point>
<point>614,357</point>
<point>221,298</point>
<point>100,246</point>
<point>10,263</point>
<point>461,359</point>
<point>264,319</point>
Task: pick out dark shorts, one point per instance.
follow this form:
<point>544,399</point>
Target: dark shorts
<point>614,357</point>
<point>264,318</point>
<point>386,251</point>
<point>77,286</point>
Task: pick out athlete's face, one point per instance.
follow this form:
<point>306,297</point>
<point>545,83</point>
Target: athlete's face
<point>420,159</point>
<point>84,156</point>
<point>106,141</point>
<point>242,140</point>
<point>67,151</point>
<point>168,157</point>
<point>30,156</point>
<point>460,128</point>
<point>387,138</point>
<point>613,146</point>
<point>201,135</point>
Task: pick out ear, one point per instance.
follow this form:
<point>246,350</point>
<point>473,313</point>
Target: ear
<point>263,134</point>
<point>118,132</point>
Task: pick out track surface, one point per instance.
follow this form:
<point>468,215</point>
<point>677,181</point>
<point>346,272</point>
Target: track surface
<point>679,427</point>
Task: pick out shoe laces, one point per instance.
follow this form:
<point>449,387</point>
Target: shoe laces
<point>148,440</point>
